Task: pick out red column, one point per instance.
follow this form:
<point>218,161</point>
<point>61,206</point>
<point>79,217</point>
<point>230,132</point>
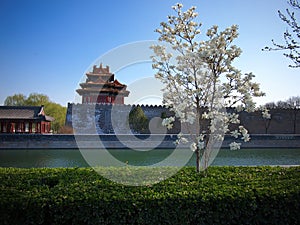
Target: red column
<point>4,128</point>
<point>43,127</point>
<point>12,128</point>
<point>30,127</point>
<point>38,127</point>
<point>8,127</point>
<point>16,127</point>
<point>22,127</point>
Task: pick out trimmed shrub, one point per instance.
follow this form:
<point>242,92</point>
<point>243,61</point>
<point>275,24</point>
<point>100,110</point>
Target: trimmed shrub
<point>228,195</point>
<point>138,121</point>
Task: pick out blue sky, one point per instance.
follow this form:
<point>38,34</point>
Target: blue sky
<point>46,46</point>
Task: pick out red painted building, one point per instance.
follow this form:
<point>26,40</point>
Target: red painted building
<point>24,119</point>
<point>101,87</point>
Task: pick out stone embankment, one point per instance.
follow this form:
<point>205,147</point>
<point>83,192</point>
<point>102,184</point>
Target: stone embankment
<point>37,141</point>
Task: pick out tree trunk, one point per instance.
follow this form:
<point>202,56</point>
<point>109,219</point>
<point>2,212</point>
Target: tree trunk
<point>197,159</point>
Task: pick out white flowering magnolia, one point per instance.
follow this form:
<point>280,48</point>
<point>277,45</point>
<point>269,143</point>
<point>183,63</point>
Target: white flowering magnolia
<point>235,146</point>
<point>168,122</point>
<point>266,113</point>
<point>267,118</point>
<point>201,82</point>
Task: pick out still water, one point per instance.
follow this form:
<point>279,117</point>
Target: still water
<point>74,158</point>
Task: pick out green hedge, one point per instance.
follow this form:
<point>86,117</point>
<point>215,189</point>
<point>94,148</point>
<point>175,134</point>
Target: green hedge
<point>228,195</point>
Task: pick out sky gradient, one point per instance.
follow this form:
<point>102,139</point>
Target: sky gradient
<point>47,46</point>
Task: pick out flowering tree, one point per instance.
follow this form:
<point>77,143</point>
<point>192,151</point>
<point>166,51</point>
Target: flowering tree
<point>291,37</point>
<point>201,83</point>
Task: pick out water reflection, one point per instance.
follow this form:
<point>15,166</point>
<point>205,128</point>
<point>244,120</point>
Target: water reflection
<point>73,157</point>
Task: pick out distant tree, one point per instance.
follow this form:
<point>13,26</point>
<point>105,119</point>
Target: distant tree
<point>15,100</point>
<point>35,99</point>
<point>138,120</point>
<point>270,105</point>
<point>58,112</point>
<point>282,105</point>
<point>291,37</point>
<point>292,103</point>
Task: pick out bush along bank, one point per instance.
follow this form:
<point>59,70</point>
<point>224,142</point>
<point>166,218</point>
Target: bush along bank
<point>228,195</point>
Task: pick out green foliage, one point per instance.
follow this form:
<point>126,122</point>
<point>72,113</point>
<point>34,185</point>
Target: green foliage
<point>15,100</point>
<point>58,112</point>
<point>36,99</point>
<point>52,109</point>
<point>163,115</point>
<point>138,120</point>
<point>228,195</point>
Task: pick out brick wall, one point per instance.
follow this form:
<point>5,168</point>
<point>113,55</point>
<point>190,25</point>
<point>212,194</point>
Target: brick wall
<point>107,118</point>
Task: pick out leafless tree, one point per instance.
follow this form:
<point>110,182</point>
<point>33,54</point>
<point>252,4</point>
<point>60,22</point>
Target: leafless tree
<point>291,44</point>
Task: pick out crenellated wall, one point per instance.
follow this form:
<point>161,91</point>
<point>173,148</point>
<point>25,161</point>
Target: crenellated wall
<point>283,121</point>
<point>108,118</point>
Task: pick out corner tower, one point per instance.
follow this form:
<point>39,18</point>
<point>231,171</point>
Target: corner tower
<point>101,87</point>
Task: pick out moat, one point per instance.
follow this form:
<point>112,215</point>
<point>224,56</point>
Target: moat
<point>72,157</point>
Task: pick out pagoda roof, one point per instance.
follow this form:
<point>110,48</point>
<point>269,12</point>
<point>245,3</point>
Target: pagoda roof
<point>103,90</point>
<point>117,83</point>
<point>99,74</point>
<point>101,80</point>
<point>24,112</point>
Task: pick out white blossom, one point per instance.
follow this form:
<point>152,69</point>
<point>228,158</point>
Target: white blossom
<point>168,122</point>
<point>266,114</point>
<point>193,147</point>
<point>201,137</point>
<point>234,146</point>
<point>181,139</point>
<point>205,116</point>
<point>200,79</point>
<point>246,137</point>
<point>243,130</point>
<point>234,118</point>
<point>235,133</point>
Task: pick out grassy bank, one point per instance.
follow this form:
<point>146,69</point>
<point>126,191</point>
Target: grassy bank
<point>228,195</point>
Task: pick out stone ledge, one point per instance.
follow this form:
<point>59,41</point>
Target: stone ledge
<point>26,141</point>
